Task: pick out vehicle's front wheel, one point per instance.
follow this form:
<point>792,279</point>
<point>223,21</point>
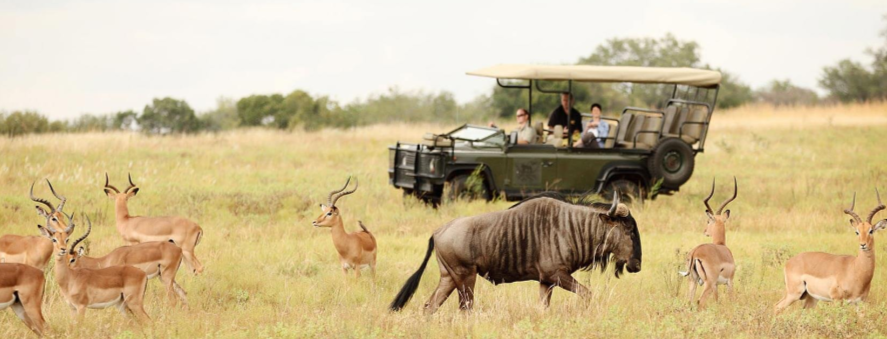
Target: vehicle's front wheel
<point>462,187</point>
<point>629,191</point>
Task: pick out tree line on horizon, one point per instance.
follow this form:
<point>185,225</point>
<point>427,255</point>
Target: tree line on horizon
<point>847,81</point>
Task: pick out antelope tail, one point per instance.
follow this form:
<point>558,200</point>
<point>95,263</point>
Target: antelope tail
<point>409,288</point>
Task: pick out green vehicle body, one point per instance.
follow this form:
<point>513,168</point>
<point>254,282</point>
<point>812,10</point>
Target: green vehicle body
<point>489,163</point>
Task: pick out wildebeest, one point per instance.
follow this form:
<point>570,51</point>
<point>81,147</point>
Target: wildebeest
<point>540,239</point>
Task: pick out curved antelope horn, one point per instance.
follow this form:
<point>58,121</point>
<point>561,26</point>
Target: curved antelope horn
<point>329,199</point>
<point>877,209</point>
<point>70,228</point>
<point>612,211</point>
<point>850,211</point>
<point>42,201</point>
<point>735,192</point>
<point>336,198</point>
<point>108,185</point>
<point>88,229</point>
<point>59,197</point>
<point>707,207</point>
<point>131,185</point>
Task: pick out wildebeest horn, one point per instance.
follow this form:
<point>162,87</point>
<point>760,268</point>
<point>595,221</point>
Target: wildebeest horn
<point>342,194</point>
<point>850,211</point>
<point>735,191</point>
<point>329,199</point>
<point>612,211</point>
<point>131,185</point>
<point>877,209</point>
<point>59,197</point>
<point>88,229</point>
<point>42,201</point>
<point>70,228</point>
<point>708,208</point>
<point>107,185</point>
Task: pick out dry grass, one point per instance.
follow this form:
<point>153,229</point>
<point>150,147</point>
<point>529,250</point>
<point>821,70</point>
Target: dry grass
<point>270,274</point>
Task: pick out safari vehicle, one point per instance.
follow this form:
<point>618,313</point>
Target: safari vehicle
<point>648,151</point>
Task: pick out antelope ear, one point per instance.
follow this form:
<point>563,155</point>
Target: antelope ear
<point>727,213</point>
<point>110,193</point>
<point>132,192</point>
<point>42,212</point>
<point>321,207</point>
<point>709,215</point>
<point>881,225</point>
<point>81,251</point>
<point>852,223</point>
<point>44,231</point>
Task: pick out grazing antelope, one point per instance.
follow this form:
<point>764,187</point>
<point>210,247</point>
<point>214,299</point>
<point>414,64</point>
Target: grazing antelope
<point>712,264</point>
<point>134,229</point>
<point>21,287</point>
<point>156,258</point>
<point>35,250</point>
<point>121,286</point>
<point>813,276</point>
<point>357,250</point>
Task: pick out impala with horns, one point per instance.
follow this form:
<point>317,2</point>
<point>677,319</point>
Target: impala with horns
<point>134,229</point>
<point>814,276</point>
<point>539,239</point>
<point>82,288</point>
<point>712,264</point>
<point>36,250</point>
<point>21,287</point>
<point>156,258</point>
<point>357,250</point>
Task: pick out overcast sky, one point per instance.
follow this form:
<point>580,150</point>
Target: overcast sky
<point>66,58</point>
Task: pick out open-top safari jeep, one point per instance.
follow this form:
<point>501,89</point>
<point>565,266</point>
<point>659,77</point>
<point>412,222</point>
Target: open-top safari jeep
<point>648,150</point>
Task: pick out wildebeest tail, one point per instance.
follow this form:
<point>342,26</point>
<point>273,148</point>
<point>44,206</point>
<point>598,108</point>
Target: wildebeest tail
<point>409,288</point>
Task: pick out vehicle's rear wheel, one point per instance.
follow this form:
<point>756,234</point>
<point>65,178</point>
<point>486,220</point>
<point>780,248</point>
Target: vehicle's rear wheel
<point>672,161</point>
<point>460,187</point>
<point>629,191</point>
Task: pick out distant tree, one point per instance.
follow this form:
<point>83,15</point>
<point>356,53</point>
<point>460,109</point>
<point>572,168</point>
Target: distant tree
<point>20,123</point>
<point>125,120</point>
<point>258,110</point>
<point>784,93</point>
<point>90,123</point>
<point>851,81</point>
<point>733,92</point>
<point>223,117</point>
<point>168,115</point>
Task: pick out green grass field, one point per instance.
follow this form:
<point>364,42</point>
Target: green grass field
<point>270,274</point>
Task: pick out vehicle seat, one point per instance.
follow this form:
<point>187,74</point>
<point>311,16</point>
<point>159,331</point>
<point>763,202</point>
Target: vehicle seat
<point>651,131</point>
<point>556,136</point>
<point>689,126</point>
<point>637,124</point>
<point>671,115</point>
<point>611,136</point>
<point>622,128</point>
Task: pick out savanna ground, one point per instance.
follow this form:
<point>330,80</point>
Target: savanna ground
<point>269,273</point>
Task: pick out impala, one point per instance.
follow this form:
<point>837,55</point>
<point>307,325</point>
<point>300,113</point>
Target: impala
<point>121,286</point>
<point>156,258</point>
<point>134,229</point>
<point>712,264</point>
<point>356,250</point>
<point>35,250</point>
<point>21,287</point>
<point>814,276</point>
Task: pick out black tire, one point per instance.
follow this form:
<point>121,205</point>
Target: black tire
<point>456,188</point>
<point>672,161</point>
<point>629,191</point>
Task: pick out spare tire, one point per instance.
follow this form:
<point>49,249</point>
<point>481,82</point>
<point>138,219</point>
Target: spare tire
<point>672,161</point>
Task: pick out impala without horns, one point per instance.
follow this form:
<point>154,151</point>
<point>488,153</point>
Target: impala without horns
<point>21,288</point>
<point>357,250</point>
<point>135,229</point>
<point>814,276</point>
<point>712,264</point>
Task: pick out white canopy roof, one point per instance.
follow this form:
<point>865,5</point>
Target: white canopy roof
<point>658,75</point>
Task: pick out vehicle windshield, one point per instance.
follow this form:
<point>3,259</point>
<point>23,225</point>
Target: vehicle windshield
<point>473,133</point>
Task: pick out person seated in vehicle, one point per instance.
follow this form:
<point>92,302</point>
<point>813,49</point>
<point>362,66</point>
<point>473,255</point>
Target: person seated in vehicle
<point>573,122</point>
<point>526,135</point>
<point>596,130</point>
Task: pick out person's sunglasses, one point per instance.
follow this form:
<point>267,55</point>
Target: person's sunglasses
<point>522,115</point>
